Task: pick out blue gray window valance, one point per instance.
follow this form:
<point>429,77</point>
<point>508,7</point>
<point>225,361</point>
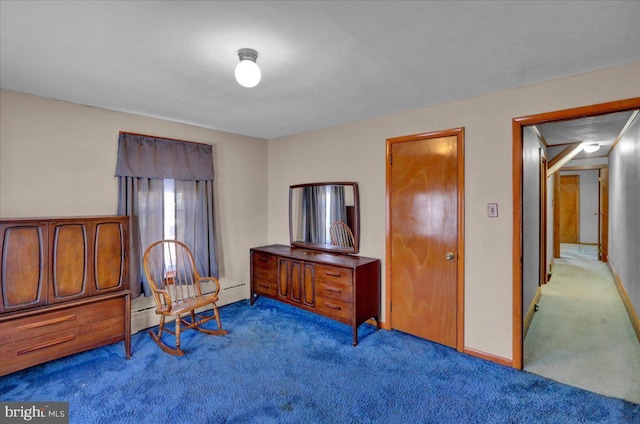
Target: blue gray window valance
<point>144,156</point>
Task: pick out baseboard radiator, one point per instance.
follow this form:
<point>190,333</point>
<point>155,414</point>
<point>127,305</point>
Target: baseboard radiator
<point>143,309</point>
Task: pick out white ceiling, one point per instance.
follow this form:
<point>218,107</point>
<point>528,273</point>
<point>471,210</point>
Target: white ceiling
<point>323,63</point>
<point>602,129</point>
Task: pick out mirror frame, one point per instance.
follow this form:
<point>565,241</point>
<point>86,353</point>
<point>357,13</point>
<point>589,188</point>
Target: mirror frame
<point>356,218</point>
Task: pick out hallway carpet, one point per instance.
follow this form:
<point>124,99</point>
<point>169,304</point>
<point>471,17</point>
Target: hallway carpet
<point>581,334</point>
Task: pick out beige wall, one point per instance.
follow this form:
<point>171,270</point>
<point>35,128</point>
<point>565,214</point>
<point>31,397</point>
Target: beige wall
<point>59,159</point>
<point>356,152</point>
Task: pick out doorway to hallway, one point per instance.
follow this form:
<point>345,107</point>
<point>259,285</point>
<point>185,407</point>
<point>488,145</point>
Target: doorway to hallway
<point>584,116</point>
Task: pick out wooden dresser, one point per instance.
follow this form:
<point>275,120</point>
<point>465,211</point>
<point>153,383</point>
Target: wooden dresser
<point>63,288</point>
<point>341,287</point>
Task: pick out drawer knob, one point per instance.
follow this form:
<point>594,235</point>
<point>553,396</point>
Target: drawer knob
<point>329,305</point>
<point>333,290</point>
<point>333,274</point>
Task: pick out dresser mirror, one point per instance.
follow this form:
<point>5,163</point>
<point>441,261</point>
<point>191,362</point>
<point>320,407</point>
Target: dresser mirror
<point>325,216</point>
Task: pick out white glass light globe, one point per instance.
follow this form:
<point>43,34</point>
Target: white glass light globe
<point>590,148</point>
<point>248,73</point>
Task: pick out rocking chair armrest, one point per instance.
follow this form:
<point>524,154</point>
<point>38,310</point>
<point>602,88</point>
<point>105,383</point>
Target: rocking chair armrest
<point>214,279</point>
<point>167,298</point>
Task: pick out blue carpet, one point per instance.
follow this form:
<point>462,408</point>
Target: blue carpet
<point>279,364</point>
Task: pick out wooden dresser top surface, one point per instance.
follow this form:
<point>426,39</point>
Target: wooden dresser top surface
<point>350,261</point>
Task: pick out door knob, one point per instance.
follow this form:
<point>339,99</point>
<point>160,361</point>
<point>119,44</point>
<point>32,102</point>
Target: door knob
<point>450,256</point>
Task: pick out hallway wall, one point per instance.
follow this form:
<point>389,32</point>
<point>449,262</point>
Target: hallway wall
<point>624,204</point>
<point>550,219</point>
<point>532,149</point>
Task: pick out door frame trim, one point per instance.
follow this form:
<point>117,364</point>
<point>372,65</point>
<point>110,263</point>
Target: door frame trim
<point>459,134</point>
<point>544,194</point>
<point>517,179</point>
<point>603,212</point>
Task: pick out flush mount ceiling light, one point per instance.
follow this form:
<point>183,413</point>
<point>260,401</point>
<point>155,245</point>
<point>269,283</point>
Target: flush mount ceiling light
<point>590,148</point>
<point>247,71</point>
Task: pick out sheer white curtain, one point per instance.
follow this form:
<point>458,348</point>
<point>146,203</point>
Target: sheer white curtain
<point>195,225</point>
<point>144,163</point>
<point>141,199</point>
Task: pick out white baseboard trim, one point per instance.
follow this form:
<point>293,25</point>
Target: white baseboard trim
<point>143,308</point>
<point>633,315</point>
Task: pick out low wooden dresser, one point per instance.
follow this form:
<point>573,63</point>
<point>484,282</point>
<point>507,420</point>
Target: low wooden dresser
<point>63,288</point>
<point>342,287</point>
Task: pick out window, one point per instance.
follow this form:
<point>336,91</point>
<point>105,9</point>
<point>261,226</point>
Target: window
<point>166,188</point>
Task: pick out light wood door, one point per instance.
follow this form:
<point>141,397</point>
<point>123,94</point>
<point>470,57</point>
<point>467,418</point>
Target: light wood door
<point>423,209</point>
<point>569,208</point>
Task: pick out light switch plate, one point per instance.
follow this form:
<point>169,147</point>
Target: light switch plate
<point>492,210</point>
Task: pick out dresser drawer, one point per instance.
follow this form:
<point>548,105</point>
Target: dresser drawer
<point>45,323</point>
<point>28,352</point>
<point>334,290</point>
<point>265,267</point>
<point>264,261</point>
<point>334,274</point>
<point>334,308</point>
<point>265,287</point>
<point>265,273</point>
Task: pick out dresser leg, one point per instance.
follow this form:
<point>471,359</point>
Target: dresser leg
<point>127,326</point>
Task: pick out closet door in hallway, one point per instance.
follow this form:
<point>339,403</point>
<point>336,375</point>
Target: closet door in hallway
<point>424,211</point>
<point>569,208</point>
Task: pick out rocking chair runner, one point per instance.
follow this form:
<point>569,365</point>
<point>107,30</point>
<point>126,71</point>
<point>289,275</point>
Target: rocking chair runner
<point>175,283</point>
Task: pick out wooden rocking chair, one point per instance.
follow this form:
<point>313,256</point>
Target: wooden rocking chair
<point>341,234</point>
<point>175,283</point>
